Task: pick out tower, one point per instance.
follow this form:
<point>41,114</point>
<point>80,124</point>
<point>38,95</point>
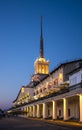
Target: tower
<point>41,65</point>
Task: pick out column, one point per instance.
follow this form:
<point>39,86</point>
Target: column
<point>34,112</point>
<point>27,111</point>
<point>54,116</point>
<point>80,103</point>
<point>38,110</point>
<point>30,111</point>
<point>65,108</point>
<point>44,110</point>
<point>24,112</point>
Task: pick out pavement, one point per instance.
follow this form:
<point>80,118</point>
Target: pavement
<point>19,123</point>
<point>60,122</point>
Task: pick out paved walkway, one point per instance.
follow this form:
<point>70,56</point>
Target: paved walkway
<point>61,122</point>
<point>17,123</point>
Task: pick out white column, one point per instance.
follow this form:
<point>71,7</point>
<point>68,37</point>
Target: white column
<point>27,111</point>
<point>38,110</point>
<point>80,102</point>
<point>30,111</point>
<point>24,109</point>
<point>44,110</point>
<point>65,108</point>
<point>54,116</point>
<point>34,112</point>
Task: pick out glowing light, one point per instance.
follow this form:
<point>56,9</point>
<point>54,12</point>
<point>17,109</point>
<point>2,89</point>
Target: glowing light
<point>41,66</point>
<point>60,78</point>
<point>22,90</point>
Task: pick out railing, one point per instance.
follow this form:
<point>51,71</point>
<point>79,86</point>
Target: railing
<point>51,90</point>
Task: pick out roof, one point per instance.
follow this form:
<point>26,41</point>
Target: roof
<point>43,78</point>
<point>59,66</point>
<point>78,67</point>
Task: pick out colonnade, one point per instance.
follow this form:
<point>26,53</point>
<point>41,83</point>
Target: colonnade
<point>40,110</point>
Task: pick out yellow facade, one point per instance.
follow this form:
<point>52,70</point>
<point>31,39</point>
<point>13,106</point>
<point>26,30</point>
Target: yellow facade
<point>41,66</point>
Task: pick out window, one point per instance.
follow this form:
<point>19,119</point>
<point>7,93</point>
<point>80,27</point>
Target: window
<point>73,81</point>
<point>60,78</point>
<point>44,88</point>
<point>34,93</point>
<point>40,90</point>
<point>43,69</point>
<point>56,82</point>
<point>39,68</point>
<point>81,77</point>
<point>49,85</point>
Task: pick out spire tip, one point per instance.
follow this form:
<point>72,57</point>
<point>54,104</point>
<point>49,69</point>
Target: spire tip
<point>41,42</point>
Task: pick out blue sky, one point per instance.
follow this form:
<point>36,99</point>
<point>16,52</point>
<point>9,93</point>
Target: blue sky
<point>20,36</point>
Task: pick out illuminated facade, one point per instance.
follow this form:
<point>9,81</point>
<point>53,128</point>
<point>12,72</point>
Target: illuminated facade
<point>56,95</point>
<point>41,66</point>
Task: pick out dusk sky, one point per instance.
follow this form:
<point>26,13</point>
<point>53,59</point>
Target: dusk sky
<point>20,39</point>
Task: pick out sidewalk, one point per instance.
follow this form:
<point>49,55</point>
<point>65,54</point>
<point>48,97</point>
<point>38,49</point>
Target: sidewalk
<point>60,122</point>
<point>64,123</point>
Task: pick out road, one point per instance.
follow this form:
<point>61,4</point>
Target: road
<point>16,123</point>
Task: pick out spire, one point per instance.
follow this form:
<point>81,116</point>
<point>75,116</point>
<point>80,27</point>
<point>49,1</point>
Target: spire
<point>41,42</point>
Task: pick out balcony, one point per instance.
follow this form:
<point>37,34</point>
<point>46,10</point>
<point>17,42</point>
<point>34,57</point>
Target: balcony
<point>51,90</point>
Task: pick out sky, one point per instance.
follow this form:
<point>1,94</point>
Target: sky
<point>20,39</point>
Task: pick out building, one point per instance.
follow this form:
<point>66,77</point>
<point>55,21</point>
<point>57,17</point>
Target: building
<point>56,94</point>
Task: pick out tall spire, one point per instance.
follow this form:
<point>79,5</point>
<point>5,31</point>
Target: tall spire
<point>41,42</point>
<point>41,65</point>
